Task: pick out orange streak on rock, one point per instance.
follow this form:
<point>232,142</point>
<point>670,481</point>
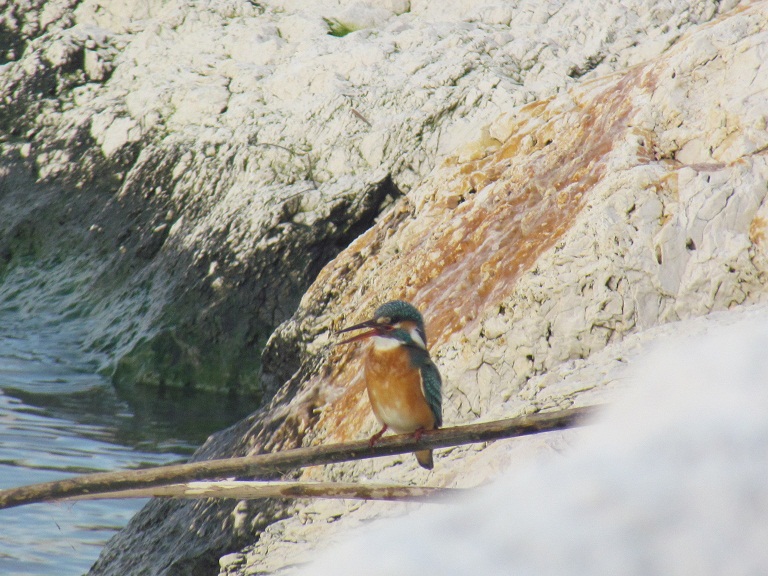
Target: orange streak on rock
<point>517,202</point>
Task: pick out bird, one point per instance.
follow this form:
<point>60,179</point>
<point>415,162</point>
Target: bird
<point>403,383</point>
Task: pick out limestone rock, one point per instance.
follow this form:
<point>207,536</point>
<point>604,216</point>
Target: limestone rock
<point>212,157</point>
<point>532,255</point>
<point>542,180</point>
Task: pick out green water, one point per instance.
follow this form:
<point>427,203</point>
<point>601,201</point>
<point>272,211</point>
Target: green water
<point>59,416</point>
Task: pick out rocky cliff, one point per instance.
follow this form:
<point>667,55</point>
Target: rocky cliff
<point>542,181</point>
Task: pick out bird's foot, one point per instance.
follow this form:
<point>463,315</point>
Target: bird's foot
<point>376,437</point>
<point>418,434</point>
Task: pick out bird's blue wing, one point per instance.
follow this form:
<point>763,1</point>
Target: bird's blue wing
<point>432,386</point>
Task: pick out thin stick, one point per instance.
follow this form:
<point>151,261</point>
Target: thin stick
<point>290,459</point>
<point>241,490</point>
<point>360,116</point>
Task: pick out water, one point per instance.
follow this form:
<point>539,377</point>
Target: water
<point>59,417</point>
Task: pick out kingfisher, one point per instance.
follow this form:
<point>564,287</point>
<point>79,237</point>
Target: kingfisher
<point>403,383</point>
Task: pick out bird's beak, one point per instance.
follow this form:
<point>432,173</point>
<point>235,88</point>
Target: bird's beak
<point>362,335</point>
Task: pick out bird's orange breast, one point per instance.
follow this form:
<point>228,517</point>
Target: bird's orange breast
<point>395,392</point>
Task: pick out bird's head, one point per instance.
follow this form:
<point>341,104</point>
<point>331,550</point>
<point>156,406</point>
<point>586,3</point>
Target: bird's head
<point>395,323</point>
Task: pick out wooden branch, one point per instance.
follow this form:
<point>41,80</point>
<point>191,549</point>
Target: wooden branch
<point>242,490</point>
<point>290,459</point>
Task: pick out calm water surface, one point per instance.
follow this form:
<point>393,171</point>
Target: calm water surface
<point>58,417</point>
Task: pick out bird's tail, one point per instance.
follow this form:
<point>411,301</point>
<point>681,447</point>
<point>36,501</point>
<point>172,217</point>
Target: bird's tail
<point>424,457</point>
